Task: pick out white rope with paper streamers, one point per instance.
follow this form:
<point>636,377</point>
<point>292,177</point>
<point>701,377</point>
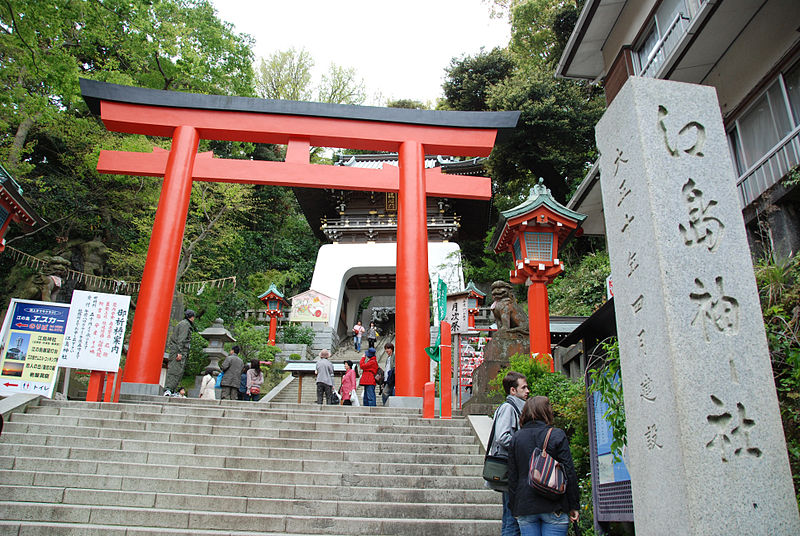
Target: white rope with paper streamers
<point>116,286</point>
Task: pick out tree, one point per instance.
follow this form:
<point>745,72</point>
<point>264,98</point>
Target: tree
<point>286,74</point>
<point>47,135</point>
<point>408,104</point>
<point>470,78</point>
<point>555,135</point>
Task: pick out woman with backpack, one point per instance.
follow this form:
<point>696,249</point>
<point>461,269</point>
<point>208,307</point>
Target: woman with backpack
<point>538,512</point>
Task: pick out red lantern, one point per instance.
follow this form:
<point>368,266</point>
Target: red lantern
<point>275,302</point>
<point>534,232</point>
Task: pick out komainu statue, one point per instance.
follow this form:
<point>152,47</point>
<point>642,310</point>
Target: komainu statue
<point>509,315</point>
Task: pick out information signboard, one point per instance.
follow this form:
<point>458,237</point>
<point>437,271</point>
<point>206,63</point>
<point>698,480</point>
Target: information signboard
<point>310,306</point>
<point>95,331</point>
<point>30,343</point>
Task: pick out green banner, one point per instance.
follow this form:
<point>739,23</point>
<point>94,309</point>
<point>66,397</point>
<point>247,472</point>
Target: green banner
<point>434,352</point>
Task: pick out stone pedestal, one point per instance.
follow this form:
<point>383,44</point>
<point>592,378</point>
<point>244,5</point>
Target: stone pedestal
<point>706,445</point>
<point>503,345</point>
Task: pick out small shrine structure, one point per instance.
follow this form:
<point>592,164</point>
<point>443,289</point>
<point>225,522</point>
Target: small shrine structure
<point>534,232</point>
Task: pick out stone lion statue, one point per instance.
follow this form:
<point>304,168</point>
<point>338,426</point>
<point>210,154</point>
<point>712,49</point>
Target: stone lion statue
<point>509,316</point>
<point>46,284</point>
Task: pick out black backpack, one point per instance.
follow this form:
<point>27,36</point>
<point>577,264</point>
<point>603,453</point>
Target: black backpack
<point>379,376</point>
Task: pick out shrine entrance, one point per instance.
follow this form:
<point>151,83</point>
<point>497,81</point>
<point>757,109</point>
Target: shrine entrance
<point>188,117</point>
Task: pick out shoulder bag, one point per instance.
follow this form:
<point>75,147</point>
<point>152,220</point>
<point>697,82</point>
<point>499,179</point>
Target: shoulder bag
<point>545,474</point>
<point>495,468</point>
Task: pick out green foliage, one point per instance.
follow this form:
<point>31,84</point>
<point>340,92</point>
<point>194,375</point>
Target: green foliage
<point>582,287</point>
<point>286,74</point>
<point>483,265</point>
<point>567,397</point>
<point>409,104</point>
<point>607,380</point>
<point>294,333</point>
<point>253,341</point>
<point>469,79</point>
<point>792,178</point>
<point>295,357</point>
<point>779,287</point>
<point>198,360</point>
<point>555,135</point>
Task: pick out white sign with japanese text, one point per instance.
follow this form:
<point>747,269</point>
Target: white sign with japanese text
<point>95,331</point>
<point>457,314</point>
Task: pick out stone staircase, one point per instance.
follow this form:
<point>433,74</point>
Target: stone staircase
<point>156,465</point>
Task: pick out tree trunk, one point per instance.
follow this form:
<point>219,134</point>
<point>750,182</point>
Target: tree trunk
<point>18,145</point>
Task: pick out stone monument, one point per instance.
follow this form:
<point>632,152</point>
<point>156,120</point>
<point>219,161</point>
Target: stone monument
<point>510,338</point>
<point>707,450</point>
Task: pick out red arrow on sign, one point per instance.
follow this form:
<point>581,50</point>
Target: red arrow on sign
<point>20,325</point>
<point>11,384</point>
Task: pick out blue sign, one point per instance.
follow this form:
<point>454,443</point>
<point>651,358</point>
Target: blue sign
<point>39,318</point>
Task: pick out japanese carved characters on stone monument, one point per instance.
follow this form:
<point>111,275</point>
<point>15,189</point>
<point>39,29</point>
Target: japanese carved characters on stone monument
<point>705,441</point>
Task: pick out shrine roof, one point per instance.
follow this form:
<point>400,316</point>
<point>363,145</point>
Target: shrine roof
<point>12,191</point>
<point>272,290</point>
<point>539,196</point>
<point>94,92</point>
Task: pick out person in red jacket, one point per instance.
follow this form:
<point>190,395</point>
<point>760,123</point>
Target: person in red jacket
<point>369,366</point>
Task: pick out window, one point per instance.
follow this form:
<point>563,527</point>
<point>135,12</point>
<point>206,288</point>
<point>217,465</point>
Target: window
<point>667,28</point>
<point>769,119</point>
<point>517,251</point>
<point>539,246</point>
<point>4,214</point>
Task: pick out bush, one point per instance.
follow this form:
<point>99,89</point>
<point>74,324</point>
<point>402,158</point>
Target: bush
<point>292,333</point>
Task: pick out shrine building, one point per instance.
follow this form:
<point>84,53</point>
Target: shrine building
<point>359,259</point>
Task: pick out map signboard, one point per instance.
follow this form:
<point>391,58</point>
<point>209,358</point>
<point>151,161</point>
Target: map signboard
<point>30,343</point>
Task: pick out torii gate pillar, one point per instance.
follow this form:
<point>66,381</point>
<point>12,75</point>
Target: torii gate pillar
<point>412,327</point>
<point>163,255</point>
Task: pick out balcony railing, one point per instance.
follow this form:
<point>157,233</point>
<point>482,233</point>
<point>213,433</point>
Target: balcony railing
<point>770,169</point>
<point>372,228</point>
<point>664,47</point>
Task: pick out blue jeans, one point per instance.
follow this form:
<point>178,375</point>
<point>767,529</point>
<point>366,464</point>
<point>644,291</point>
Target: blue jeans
<point>358,343</point>
<point>510,527</point>
<point>544,524</point>
<point>369,395</point>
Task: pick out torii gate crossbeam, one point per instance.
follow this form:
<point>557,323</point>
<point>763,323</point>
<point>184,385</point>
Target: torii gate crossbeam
<point>187,117</point>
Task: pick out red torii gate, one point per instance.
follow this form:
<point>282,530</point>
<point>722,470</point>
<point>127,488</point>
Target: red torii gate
<point>187,117</point>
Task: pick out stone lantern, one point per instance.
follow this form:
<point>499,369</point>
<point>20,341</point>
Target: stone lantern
<point>474,301</point>
<point>217,336</point>
<point>534,232</point>
<point>275,303</point>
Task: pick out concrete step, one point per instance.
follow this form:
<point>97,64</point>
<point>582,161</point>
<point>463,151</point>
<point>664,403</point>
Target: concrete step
<point>194,520</point>
<point>158,465</point>
<point>340,433</point>
<point>243,489</point>
<point>249,458</point>
<point>253,505</point>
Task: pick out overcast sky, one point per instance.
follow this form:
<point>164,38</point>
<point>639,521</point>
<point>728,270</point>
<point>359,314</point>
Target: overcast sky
<point>399,48</point>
